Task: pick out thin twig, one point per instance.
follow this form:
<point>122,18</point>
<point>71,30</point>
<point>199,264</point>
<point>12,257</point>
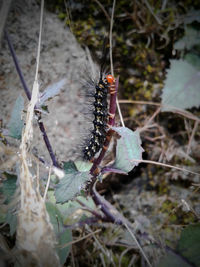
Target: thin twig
<point>150,120</point>
<point>80,239</point>
<point>192,137</point>
<point>97,241</point>
<point>133,259</point>
<point>69,17</point>
<point>21,76</point>
<point>182,112</point>
<point>89,221</point>
<point>122,255</point>
<point>152,13</point>
<point>137,243</point>
<point>39,42</point>
<point>120,114</point>
<point>105,207</point>
<point>47,142</point>
<point>72,257</point>
<point>122,101</point>
<point>47,185</point>
<point>111,57</point>
<point>94,212</point>
<point>164,165</point>
<point>38,177</point>
<point>103,9</point>
<point>110,37</point>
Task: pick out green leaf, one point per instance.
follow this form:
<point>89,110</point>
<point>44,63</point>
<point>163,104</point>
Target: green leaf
<point>8,190</point>
<point>3,212</point>
<point>191,16</point>
<point>193,59</point>
<point>9,186</point>
<point>11,219</point>
<point>15,124</point>
<point>188,248</point>
<point>70,185</point>
<point>72,211</point>
<point>189,243</point>
<point>189,40</point>
<point>69,167</point>
<point>63,252</point>
<point>181,88</point>
<point>128,149</point>
<point>83,166</point>
<point>55,216</point>
<point>64,236</point>
<point>173,260</point>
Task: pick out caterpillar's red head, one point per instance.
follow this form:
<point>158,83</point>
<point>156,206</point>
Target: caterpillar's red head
<point>110,79</point>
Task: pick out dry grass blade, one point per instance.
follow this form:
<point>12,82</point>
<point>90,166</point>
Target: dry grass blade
<point>182,112</point>
<point>111,59</point>
<point>165,165</point>
<point>103,9</point>
<point>110,37</point>
<point>79,239</point>
<point>47,185</point>
<point>192,136</point>
<point>122,255</point>
<point>140,248</point>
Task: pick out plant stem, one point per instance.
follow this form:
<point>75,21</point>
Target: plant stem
<point>47,142</point>
<point>12,51</point>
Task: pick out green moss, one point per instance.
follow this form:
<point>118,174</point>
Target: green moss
<point>62,16</point>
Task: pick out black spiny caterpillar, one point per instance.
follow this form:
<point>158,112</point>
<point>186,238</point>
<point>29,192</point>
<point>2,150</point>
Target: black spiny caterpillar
<point>100,113</point>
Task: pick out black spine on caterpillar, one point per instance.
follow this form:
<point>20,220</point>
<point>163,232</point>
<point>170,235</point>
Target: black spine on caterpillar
<point>100,113</point>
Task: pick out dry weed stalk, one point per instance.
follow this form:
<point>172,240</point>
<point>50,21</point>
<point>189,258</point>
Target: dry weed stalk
<point>35,236</point>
